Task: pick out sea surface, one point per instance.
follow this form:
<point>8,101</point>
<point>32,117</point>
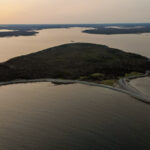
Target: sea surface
<point>142,84</point>
<point>43,116</point>
<point>5,30</point>
<point>16,46</point>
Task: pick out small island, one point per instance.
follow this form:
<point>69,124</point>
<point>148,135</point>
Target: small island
<point>18,33</point>
<point>75,61</point>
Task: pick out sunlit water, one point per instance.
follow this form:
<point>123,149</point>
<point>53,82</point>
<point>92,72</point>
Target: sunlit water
<point>5,30</point>
<point>15,46</point>
<point>41,116</point>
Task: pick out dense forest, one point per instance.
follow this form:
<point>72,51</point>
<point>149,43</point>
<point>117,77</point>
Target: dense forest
<point>82,61</point>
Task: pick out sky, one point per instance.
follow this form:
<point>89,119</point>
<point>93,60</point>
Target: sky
<point>73,11</point>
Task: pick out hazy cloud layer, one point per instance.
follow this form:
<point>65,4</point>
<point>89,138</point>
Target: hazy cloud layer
<point>74,11</point>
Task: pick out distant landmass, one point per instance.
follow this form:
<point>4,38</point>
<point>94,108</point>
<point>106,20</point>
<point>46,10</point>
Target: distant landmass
<point>81,61</point>
<point>32,29</point>
<point>120,29</point>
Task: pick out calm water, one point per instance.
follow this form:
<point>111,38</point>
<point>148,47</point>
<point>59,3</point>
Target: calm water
<point>5,30</point>
<point>15,46</point>
<point>41,116</point>
<point>142,84</point>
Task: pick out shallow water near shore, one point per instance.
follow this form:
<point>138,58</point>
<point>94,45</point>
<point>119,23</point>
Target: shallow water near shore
<point>44,116</point>
<point>142,84</point>
<point>16,46</point>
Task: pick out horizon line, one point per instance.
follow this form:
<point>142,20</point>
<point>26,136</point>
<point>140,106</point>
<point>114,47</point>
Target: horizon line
<point>74,23</point>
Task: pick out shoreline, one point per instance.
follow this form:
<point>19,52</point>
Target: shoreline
<point>128,89</point>
<point>82,63</point>
<point>102,29</point>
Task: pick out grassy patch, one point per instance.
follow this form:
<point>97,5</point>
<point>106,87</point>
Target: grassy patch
<point>83,78</point>
<point>93,76</point>
<point>109,82</point>
<point>133,74</point>
<point>97,76</point>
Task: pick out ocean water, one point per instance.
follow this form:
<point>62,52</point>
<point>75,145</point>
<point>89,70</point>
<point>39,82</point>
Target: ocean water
<point>16,46</point>
<point>142,84</point>
<point>43,116</point>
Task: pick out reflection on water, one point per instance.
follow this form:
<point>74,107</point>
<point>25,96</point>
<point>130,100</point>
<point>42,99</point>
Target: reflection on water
<point>5,30</point>
<point>15,46</point>
<point>41,116</point>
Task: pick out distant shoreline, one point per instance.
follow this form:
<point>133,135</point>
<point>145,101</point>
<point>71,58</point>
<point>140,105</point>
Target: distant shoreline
<point>105,29</point>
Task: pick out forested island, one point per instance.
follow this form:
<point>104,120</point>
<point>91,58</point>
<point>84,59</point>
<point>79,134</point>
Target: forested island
<point>18,33</point>
<point>33,29</point>
<point>77,61</point>
<point>120,29</point>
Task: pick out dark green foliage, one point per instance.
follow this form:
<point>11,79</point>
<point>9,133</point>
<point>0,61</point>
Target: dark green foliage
<point>72,61</point>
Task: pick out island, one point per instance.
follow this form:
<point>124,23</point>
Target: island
<point>18,33</point>
<point>33,29</point>
<point>75,61</point>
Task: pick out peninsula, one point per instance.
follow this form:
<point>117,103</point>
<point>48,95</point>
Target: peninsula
<point>77,61</point>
